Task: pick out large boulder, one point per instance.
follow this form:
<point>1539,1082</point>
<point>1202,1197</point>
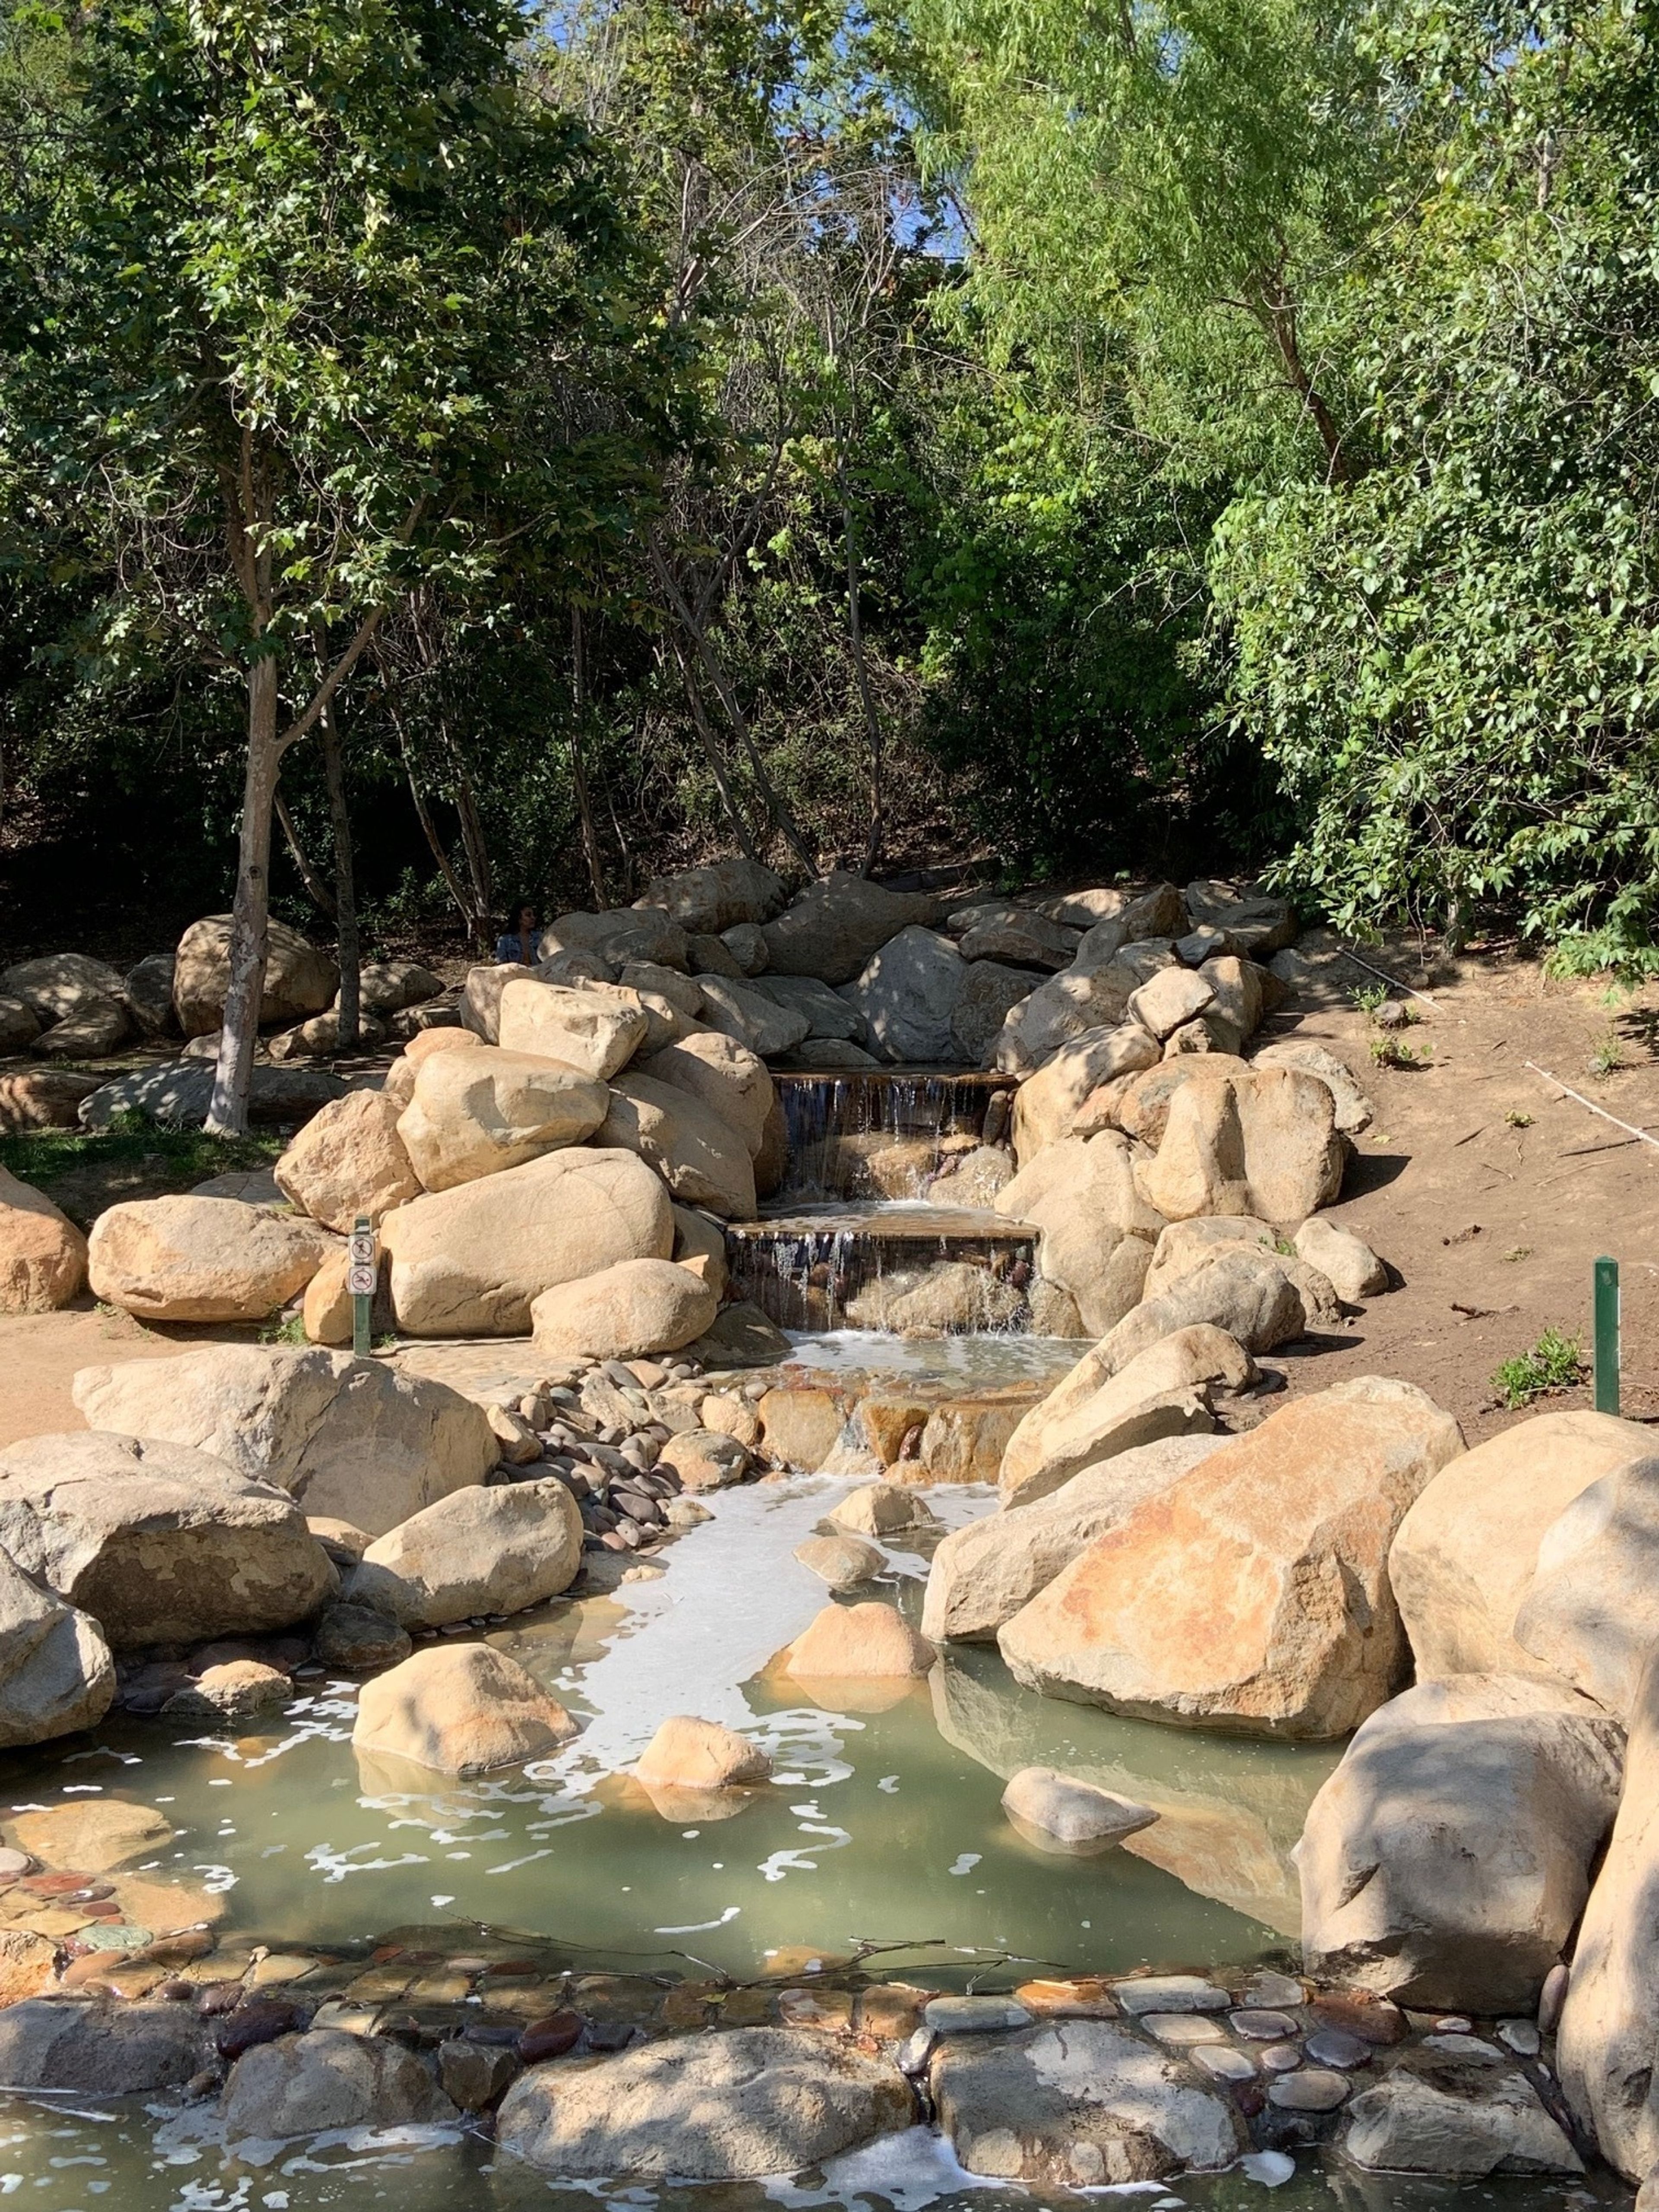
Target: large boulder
<point>701,1158</point>
<point>828,1014</point>
<point>147,988</point>
<point>1252,1595</point>
<point>1048,1103</point>
<point>1139,1106</point>
<point>58,986</point>
<point>299,980</point>
<point>1446,1860</point>
<point>988,998</point>
<point>1435,2115</point>
<point>1263,1143</point>
<point>741,2106</point>
<point>689,1754</point>
<point>43,1255</point>
<point>835,925</point>
<point>348,1160</point>
<point>594,1032</point>
<point>300,2084</point>
<point>349,1439</point>
<point>98,2048</point>
<point>1257,922</point>
<point>758,1019</point>
<point>1592,1612</point>
<point>1353,1110</point>
<point>999,930</point>
<point>477,1112</point>
<point>43,1098</point>
<point>458,1708</point>
<point>1467,1552</point>
<point>1099,1410</point>
<point>159,1543</point>
<point>1081,998</point>
<point>95,1028</point>
<point>1078,2104</point>
<point>717,896</point>
<point>56,1672</point>
<point>856,1642</point>
<point>639,932</point>
<point>1097,1229</point>
<point>200,1259</point>
<point>980,1576</point>
<point>908,993</point>
<point>179,1093</point>
<point>732,1082</point>
<point>477,1551</point>
<point>638,1306</point>
<point>1250,1293</point>
<point>1609,2028</point>
<point>467,1263</point>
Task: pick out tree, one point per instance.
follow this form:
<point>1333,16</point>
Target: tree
<point>305,307</point>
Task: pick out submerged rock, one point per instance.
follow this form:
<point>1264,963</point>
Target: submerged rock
<point>1067,1814</point>
<point>458,1709</point>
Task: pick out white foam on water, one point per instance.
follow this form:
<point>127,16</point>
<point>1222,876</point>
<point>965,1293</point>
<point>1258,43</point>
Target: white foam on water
<point>911,2171</point>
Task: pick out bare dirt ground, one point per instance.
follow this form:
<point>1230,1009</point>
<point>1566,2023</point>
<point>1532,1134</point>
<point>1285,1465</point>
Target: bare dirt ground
<point>1488,1191</point>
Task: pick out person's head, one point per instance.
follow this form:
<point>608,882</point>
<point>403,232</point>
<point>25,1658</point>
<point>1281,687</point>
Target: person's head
<point>524,919</point>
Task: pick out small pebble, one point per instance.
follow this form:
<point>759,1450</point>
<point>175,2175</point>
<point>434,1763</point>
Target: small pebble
<point>1223,2064</point>
<point>1521,2037</point>
<point>1179,2030</point>
<point>1453,2024</point>
<point>1334,2046</point>
<point>1313,2090</point>
<point>1281,2057</point>
<point>1263,2027</point>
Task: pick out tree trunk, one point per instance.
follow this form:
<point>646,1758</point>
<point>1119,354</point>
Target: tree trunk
<point>232,1074</point>
<point>345,893</point>
<point>578,764</point>
<point>866,697</point>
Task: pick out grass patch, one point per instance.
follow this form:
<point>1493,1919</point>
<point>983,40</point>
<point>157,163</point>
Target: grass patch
<point>1555,1362</point>
<point>1389,1052</point>
<point>1608,1056</point>
<point>86,1171</point>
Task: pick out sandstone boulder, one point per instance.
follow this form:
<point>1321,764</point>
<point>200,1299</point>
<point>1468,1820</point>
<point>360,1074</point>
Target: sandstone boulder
<point>1258,923</point>
<point>717,896</point>
<point>830,1019</point>
<point>300,2084</point>
<point>159,1543</point>
<point>1430,2116</point>
<point>1078,2103</point>
<point>1186,1246</point>
<point>1100,1410</point>
<point>852,1643</point>
<point>1097,1229</point>
<point>352,1440</point>
<point>96,1027</point>
<point>348,1159</point>
<point>320,1038</point>
<point>980,1576</point>
<point>639,932</point>
<point>636,1307</point>
<point>1353,1110</point>
<point>1348,1264</point>
<point>179,1094</point>
<point>56,1672</point>
<point>733,1082</point>
<point>43,1255</point>
<point>759,1020</point>
<point>98,2049</point>
<point>458,1708</point>
<point>1252,1594</point>
<point>950,1297</point>
<point>1263,1143</point>
<point>1170,999</point>
<point>754,2102</point>
<point>299,980</point>
<point>705,1459</point>
<point>1467,1552</point>
<point>200,1259</point>
<point>701,1158</point>
<point>43,1098</point>
<point>479,1552</point>
<point>908,993</point>
<point>1058,1812</point>
<point>1078,999</point>
<point>1002,931</point>
<point>470,1262</point>
<point>975,1180</point>
<point>1609,2025</point>
<point>1591,1613</point>
<point>57,986</point>
<point>700,1246</point>
<point>476,1113</point>
<point>1048,1103</point>
<point>1445,1863</point>
<point>596,1031</point>
<point>989,996</point>
<point>687,1754</point>
<point>843,1560</point>
<point>881,1508</point>
<point>1140,1106</point>
<point>835,925</point>
<point>1249,1293</point>
<point>481,998</point>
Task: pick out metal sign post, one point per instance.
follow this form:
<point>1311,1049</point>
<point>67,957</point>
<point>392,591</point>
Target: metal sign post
<point>360,1282</point>
<point>1606,1336</point>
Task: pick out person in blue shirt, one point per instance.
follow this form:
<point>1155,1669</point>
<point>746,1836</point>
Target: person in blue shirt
<point>520,943</point>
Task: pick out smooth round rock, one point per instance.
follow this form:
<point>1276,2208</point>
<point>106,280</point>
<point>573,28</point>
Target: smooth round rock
<point>1223,2064</point>
<point>1282,2058</point>
<point>550,2038</point>
<point>1313,2090</point>
<point>1263,2027</point>
<point>14,1863</point>
<point>1267,1988</point>
<point>1521,2037</point>
<point>1334,2046</point>
<point>1374,2019</point>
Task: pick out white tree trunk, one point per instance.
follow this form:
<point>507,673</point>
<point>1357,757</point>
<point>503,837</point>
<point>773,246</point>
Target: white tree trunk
<point>232,1076</point>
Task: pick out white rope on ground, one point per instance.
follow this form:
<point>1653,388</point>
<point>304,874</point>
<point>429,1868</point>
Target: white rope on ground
<point>1393,982</point>
<point>1629,1130</point>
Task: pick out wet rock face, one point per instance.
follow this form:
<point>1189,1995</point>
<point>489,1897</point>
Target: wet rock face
<point>302,2084</point>
<point>731,2107</point>
<point>101,2050</point>
<point>1076,2106</point>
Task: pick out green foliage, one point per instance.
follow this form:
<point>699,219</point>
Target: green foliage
<point>85,1170</point>
<point>1555,1362</point>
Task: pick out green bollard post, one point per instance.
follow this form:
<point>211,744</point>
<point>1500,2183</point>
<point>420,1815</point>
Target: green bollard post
<point>1606,1336</point>
<point>360,1282</point>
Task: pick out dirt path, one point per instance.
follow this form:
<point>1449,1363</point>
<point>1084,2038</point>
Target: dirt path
<point>40,1353</point>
